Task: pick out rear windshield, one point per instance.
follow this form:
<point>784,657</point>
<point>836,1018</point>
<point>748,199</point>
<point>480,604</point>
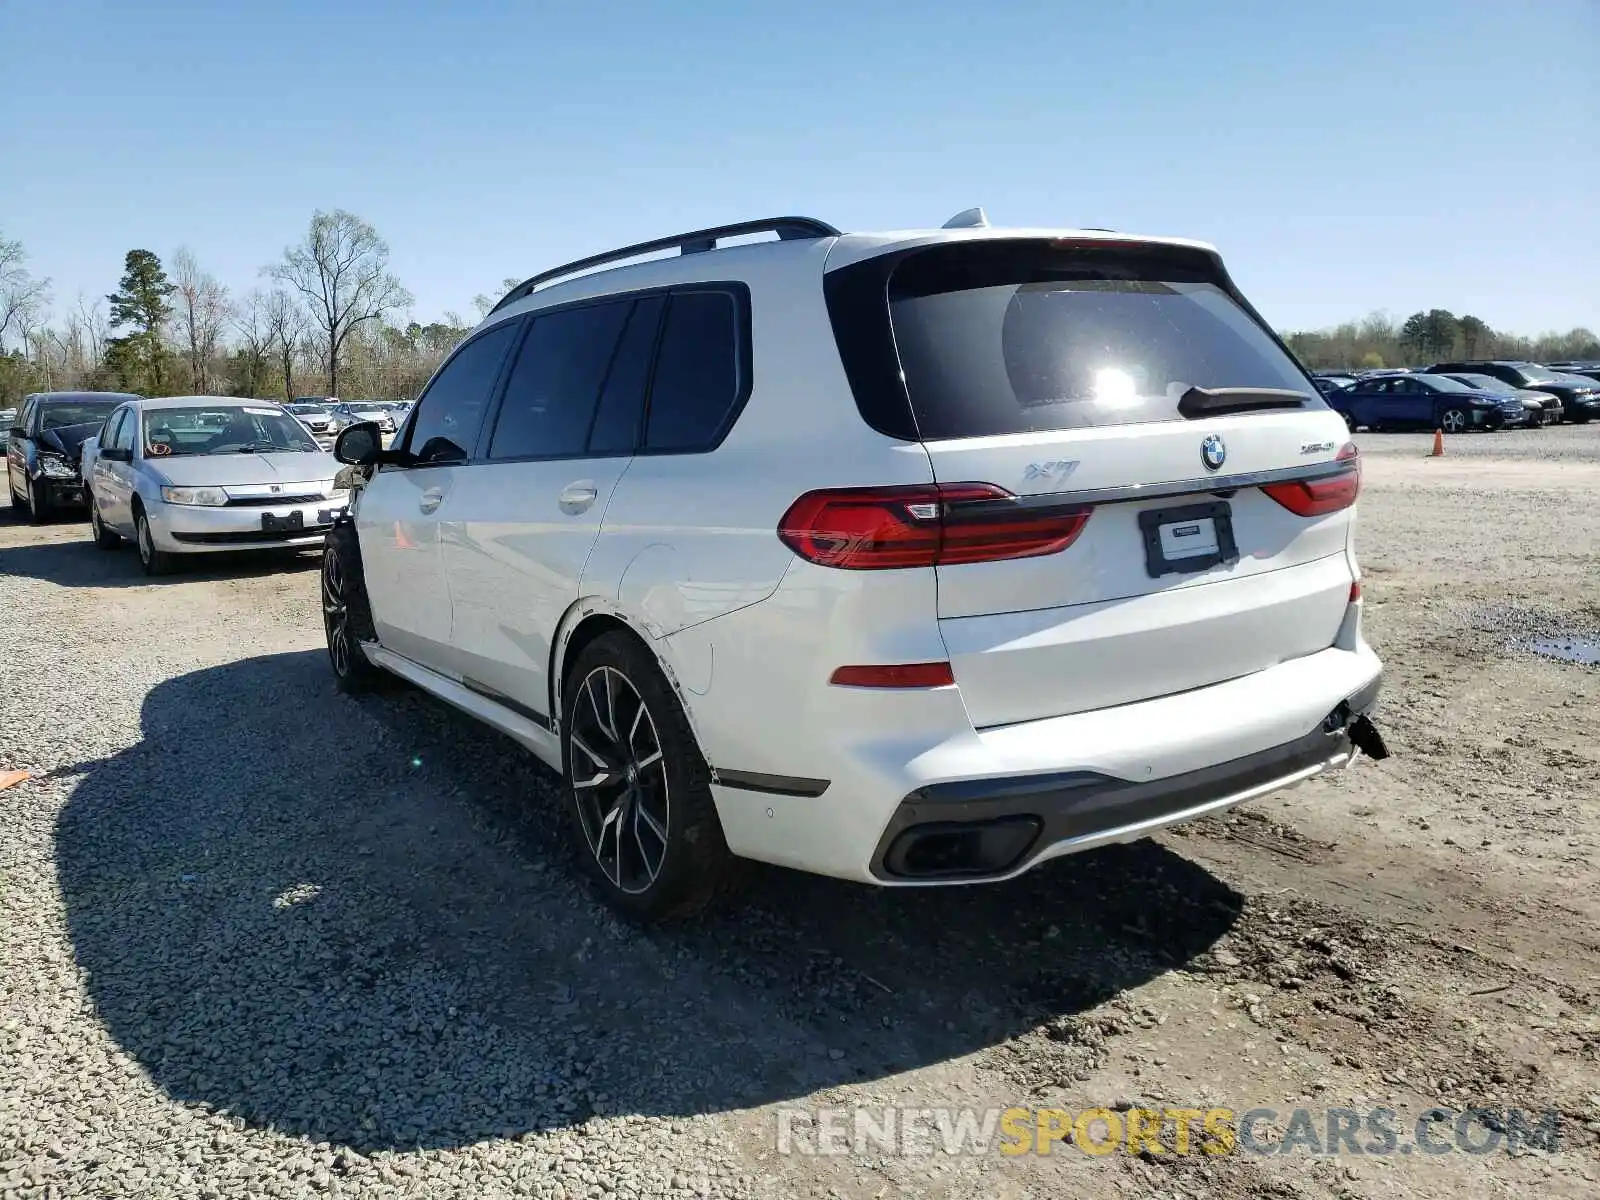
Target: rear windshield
<point>1023,336</point>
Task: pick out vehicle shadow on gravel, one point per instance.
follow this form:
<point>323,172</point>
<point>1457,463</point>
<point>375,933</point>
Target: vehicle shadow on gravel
<point>360,922</point>
<point>84,565</point>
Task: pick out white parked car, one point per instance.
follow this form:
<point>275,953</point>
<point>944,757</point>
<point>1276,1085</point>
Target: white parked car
<point>195,474</point>
<point>908,558</point>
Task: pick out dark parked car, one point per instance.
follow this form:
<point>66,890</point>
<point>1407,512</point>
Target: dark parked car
<point>1332,381</point>
<point>1424,401</point>
<point>1579,395</point>
<point>1590,370</point>
<point>1543,408</point>
<point>43,444</point>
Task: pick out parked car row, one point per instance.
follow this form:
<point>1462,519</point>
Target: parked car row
<point>326,416</point>
<point>1484,394</point>
<point>76,451</point>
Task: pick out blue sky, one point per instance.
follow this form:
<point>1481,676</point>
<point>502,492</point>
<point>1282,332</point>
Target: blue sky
<point>1346,157</point>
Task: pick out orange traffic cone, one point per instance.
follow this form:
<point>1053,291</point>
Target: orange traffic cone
<point>401,541</point>
<point>1438,444</point>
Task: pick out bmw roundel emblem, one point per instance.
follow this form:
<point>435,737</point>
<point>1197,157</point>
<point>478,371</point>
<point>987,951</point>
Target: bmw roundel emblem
<point>1214,452</point>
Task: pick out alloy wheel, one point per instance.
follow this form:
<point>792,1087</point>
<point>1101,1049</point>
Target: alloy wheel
<point>1454,420</point>
<point>336,614</point>
<point>147,547</point>
<point>619,779</point>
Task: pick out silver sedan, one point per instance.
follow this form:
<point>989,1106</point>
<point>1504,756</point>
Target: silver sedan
<point>194,474</point>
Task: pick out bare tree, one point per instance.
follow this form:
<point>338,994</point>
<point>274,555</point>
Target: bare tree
<point>202,311</point>
<point>342,270</point>
<point>252,321</point>
<point>22,297</point>
<point>483,302</point>
<point>90,316</point>
<point>284,327</point>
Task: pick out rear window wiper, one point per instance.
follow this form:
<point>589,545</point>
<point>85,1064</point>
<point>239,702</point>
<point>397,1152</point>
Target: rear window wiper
<point>1211,402</point>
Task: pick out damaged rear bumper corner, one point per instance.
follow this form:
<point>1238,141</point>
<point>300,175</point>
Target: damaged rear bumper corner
<point>986,830</point>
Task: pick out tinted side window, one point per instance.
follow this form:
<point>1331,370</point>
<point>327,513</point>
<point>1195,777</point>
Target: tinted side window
<point>616,424</point>
<point>553,389</point>
<point>111,435</point>
<point>696,382</point>
<point>451,411</point>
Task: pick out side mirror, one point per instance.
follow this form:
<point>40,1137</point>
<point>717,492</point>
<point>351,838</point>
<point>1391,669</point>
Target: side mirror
<point>116,454</point>
<point>16,431</point>
<point>359,445</point>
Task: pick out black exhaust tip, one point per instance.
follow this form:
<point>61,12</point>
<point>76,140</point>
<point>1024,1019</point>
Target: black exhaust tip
<point>960,849</point>
<point>1365,737</point>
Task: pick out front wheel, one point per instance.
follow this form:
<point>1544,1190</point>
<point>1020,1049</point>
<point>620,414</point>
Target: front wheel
<point>106,539</point>
<point>154,562</point>
<point>640,789</point>
<point>38,508</point>
<point>1454,420</point>
<point>346,614</point>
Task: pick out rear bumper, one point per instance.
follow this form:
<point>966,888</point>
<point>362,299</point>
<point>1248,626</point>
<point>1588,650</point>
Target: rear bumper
<point>993,828</point>
<point>886,764</point>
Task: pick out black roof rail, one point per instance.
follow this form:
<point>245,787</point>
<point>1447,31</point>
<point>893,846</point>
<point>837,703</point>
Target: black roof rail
<point>787,228</point>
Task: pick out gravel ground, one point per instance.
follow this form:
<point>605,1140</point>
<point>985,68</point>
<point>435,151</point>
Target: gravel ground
<point>258,939</point>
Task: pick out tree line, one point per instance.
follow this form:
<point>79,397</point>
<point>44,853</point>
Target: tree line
<point>327,321</point>
<point>1379,340</point>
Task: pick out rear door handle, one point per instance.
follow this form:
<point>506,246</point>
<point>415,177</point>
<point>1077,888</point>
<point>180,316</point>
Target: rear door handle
<point>430,499</point>
<point>577,497</point>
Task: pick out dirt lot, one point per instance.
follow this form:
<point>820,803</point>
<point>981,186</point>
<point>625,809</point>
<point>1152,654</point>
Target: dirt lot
<point>260,940</point>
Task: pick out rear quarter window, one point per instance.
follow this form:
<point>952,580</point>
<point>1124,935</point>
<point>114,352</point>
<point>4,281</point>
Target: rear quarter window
<point>984,338</point>
<point>701,372</point>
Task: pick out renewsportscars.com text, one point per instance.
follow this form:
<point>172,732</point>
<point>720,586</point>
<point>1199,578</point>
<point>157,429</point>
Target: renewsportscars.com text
<point>913,1132</point>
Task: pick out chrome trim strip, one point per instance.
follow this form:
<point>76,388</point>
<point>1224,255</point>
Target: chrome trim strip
<point>1127,492</point>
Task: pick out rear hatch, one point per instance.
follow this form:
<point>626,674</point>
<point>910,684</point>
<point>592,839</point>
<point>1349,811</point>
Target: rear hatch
<point>1142,492</point>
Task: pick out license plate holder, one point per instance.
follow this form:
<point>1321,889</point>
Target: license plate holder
<point>272,523</point>
<point>1190,538</point>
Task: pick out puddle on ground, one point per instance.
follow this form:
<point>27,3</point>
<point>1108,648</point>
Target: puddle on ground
<point>1584,651</point>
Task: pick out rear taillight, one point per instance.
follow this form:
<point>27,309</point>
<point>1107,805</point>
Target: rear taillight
<point>926,525</point>
<point>1319,497</point>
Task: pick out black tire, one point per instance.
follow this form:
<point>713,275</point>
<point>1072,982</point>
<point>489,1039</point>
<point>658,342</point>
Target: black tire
<point>38,510</point>
<point>1455,420</point>
<point>347,614</point>
<point>1350,422</point>
<point>106,539</point>
<point>658,780</point>
<point>154,562</point>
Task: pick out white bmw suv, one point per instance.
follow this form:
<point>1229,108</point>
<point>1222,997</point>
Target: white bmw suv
<point>908,558</point>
